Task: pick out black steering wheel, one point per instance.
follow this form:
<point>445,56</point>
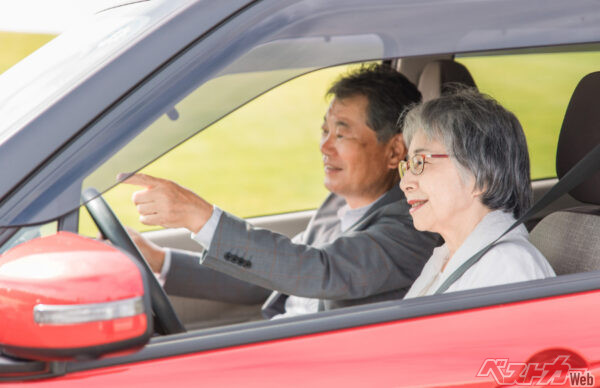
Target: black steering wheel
<point>165,318</point>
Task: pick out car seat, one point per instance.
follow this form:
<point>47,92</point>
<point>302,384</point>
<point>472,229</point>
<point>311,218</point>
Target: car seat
<point>438,76</point>
<point>570,238</point>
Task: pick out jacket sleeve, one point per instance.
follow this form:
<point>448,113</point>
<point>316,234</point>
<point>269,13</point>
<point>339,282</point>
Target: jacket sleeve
<point>386,254</point>
<point>188,278</point>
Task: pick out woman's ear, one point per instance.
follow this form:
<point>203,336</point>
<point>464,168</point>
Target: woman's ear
<point>397,151</point>
<point>477,192</point>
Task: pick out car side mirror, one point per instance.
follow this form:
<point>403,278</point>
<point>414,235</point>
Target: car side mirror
<point>66,296</point>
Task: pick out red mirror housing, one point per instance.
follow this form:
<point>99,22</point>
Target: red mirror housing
<point>67,296</point>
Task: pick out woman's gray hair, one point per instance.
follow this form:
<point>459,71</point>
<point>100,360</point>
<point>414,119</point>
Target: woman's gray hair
<point>484,138</point>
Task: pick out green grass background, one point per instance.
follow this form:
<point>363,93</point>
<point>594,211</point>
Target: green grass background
<point>264,158</point>
<point>537,88</point>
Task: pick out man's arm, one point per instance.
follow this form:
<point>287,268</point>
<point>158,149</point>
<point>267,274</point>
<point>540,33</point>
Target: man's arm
<point>386,254</point>
<point>187,277</point>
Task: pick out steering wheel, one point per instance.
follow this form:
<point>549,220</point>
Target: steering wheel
<point>165,318</point>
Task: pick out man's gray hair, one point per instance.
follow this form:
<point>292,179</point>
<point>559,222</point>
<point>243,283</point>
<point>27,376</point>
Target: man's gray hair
<point>484,139</point>
<point>388,91</point>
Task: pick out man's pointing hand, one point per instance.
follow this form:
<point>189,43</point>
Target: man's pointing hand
<point>167,204</point>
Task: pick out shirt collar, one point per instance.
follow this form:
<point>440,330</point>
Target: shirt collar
<point>349,217</point>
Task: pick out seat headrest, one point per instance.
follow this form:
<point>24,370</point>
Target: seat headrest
<point>580,133</point>
<point>438,75</point>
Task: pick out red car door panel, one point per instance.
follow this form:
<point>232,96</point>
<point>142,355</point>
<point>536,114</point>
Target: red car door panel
<point>439,350</point>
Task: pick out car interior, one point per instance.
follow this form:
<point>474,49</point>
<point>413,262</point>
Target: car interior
<point>565,235</point>
<point>569,238</point>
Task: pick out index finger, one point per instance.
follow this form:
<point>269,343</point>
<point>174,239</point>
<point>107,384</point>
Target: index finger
<point>138,179</point>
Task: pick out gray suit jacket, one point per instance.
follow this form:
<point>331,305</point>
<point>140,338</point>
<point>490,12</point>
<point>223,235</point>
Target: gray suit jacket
<point>376,259</point>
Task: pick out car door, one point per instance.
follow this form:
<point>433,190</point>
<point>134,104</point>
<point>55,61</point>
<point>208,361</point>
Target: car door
<point>531,333</point>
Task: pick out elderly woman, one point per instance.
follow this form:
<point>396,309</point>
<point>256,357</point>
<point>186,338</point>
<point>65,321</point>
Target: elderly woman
<point>467,178</point>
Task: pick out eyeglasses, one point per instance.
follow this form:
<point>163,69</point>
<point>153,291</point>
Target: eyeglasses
<point>416,164</point>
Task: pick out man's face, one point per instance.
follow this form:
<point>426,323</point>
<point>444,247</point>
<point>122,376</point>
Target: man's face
<point>357,166</point>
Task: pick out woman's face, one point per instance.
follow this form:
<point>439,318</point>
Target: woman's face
<point>441,201</point>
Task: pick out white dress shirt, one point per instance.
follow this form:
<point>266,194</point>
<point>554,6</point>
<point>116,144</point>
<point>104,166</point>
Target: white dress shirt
<point>512,259</point>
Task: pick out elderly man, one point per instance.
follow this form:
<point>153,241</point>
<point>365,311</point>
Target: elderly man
<point>359,247</point>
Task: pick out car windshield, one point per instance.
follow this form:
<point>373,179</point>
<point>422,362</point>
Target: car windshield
<point>49,73</point>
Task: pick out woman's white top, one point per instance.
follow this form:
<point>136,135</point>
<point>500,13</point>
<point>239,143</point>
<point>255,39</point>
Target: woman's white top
<point>512,259</point>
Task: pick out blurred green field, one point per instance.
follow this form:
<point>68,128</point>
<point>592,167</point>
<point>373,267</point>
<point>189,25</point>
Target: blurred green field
<point>537,88</point>
<point>264,158</point>
<point>261,159</point>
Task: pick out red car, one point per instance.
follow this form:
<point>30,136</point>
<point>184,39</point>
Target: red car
<point>138,79</point>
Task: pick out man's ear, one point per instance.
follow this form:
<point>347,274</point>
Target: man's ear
<point>397,151</point>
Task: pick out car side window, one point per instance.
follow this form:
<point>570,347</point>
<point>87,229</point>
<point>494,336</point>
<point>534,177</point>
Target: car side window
<point>261,159</point>
<point>537,88</point>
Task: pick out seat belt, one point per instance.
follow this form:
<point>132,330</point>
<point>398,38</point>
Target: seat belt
<point>576,175</point>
